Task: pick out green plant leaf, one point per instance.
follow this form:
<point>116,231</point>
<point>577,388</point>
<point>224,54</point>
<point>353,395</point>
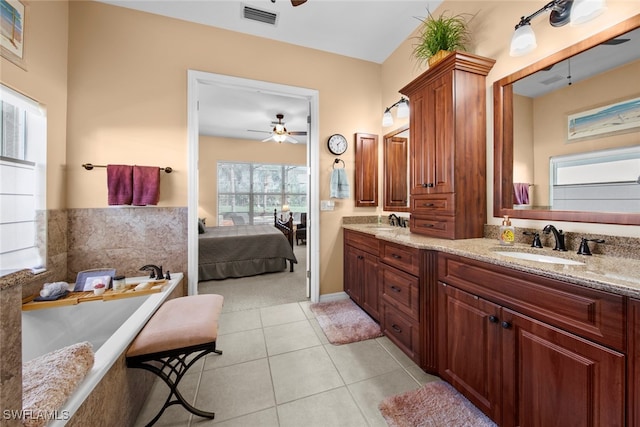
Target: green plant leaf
<point>441,33</point>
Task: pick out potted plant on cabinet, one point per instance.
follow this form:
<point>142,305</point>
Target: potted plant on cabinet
<point>441,35</point>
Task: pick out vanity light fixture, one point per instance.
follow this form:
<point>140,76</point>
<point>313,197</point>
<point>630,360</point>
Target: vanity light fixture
<point>403,111</point>
<point>562,12</point>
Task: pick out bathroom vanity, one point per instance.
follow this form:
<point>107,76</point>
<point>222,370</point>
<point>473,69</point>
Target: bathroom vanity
<point>525,341</point>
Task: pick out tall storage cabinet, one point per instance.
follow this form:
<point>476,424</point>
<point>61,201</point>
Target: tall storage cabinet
<point>448,147</point>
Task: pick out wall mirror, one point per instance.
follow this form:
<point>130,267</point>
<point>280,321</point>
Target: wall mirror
<point>532,125</point>
<point>396,170</point>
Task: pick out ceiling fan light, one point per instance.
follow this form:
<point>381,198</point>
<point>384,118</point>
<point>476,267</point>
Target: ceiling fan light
<point>523,40</point>
<point>403,108</point>
<point>586,10</point>
<point>279,137</point>
<point>387,119</point>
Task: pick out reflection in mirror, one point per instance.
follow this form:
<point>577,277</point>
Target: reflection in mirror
<point>536,112</point>
<point>396,170</point>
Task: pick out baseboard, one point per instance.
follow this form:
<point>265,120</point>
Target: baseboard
<point>333,297</point>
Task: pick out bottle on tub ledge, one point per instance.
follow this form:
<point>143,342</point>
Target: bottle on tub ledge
<point>507,232</point>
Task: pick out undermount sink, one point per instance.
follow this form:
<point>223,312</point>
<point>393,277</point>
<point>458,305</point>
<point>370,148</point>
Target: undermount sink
<point>382,227</point>
<point>539,258</point>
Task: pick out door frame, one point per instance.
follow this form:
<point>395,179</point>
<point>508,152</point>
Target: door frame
<point>196,78</point>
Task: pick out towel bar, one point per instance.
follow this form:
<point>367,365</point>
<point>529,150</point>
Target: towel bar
<point>89,166</point>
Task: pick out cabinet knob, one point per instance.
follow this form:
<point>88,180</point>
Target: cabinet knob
<point>428,184</point>
<point>506,325</point>
<point>360,257</point>
<point>493,319</point>
<point>396,256</point>
<point>396,328</point>
<point>428,205</point>
<point>395,288</point>
<point>427,225</point>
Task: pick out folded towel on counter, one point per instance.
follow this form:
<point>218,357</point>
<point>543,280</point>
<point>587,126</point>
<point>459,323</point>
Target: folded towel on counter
<point>120,184</point>
<point>339,185</point>
<point>53,289</point>
<point>146,185</point>
<point>521,193</point>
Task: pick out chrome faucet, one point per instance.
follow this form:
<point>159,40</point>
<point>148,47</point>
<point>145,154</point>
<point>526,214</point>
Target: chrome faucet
<point>394,220</point>
<point>559,236</point>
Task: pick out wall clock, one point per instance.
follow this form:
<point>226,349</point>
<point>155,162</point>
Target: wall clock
<point>337,144</point>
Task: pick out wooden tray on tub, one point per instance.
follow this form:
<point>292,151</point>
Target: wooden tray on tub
<point>74,298</point>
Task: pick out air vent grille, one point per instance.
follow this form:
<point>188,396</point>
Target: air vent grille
<point>254,14</point>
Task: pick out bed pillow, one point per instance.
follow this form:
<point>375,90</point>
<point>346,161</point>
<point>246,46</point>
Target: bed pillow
<point>200,226</point>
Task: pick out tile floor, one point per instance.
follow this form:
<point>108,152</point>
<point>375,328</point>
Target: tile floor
<point>278,369</point>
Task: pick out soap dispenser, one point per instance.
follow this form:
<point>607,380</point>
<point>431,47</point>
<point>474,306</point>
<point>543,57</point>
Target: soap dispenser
<point>507,232</point>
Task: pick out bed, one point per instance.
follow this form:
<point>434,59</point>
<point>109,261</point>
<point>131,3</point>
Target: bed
<point>245,250</point>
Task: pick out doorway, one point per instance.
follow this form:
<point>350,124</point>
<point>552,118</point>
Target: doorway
<point>195,81</point>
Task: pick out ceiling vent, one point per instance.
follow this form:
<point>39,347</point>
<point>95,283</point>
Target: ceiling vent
<point>254,14</point>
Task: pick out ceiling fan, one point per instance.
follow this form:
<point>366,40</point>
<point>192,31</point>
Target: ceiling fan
<point>280,133</point>
<point>294,2</point>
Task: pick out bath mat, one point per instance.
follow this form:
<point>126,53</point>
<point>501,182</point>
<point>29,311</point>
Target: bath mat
<point>436,404</point>
<point>49,380</point>
<point>344,322</point>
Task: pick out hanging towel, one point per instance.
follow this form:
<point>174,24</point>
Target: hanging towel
<point>521,193</point>
<point>120,184</point>
<point>146,185</point>
<point>339,185</point>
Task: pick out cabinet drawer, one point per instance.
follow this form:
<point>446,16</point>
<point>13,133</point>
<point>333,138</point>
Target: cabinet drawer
<point>593,314</point>
<point>441,204</point>
<point>434,226</point>
<point>402,331</point>
<point>400,290</point>
<point>403,257</point>
<point>362,241</point>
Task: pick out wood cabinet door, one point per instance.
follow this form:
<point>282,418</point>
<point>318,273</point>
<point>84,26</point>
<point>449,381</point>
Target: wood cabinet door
<point>353,259</point>
<point>554,378</point>
<point>417,148</point>
<point>366,185</point>
<point>469,355</point>
<point>440,135</point>
<point>371,286</point>
<point>633,386</point>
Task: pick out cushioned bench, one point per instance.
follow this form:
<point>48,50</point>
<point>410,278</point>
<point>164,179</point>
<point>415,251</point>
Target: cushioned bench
<point>180,332</point>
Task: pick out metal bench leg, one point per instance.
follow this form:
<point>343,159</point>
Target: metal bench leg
<point>172,370</point>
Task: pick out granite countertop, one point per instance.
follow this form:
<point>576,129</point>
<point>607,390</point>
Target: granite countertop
<point>603,272</point>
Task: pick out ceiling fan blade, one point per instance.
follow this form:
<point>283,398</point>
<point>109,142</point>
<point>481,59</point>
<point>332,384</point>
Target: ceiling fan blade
<point>267,139</point>
<point>297,2</point>
<point>259,131</point>
<point>303,133</point>
<point>291,140</point>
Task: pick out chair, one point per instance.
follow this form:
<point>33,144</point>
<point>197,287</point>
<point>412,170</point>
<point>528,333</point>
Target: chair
<point>301,229</point>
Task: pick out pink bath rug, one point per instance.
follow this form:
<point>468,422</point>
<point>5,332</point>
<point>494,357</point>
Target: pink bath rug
<point>344,322</point>
<point>436,404</point>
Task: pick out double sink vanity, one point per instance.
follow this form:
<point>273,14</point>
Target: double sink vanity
<point>531,336</point>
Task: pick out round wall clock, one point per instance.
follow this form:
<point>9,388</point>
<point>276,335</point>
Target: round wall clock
<point>337,144</point>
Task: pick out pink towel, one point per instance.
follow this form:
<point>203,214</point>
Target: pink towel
<point>120,184</point>
<point>146,185</point>
<point>521,193</point>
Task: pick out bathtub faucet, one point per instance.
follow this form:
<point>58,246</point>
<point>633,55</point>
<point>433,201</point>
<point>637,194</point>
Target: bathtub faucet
<point>156,272</point>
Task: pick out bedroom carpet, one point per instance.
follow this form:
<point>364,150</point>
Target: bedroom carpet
<point>344,322</point>
<point>264,290</point>
<point>436,404</point>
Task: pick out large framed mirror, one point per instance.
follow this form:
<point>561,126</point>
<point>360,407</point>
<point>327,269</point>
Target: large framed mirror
<point>396,170</point>
<point>533,127</point>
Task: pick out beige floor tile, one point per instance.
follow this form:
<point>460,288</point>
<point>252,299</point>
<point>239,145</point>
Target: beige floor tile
<point>421,376</point>
<point>303,373</point>
<point>290,337</point>
<point>369,393</point>
<point>237,348</point>
<point>237,321</point>
<point>319,332</point>
<point>280,314</point>
<point>236,390</point>
<point>334,408</point>
<point>361,360</point>
<point>395,352</point>
<point>265,418</point>
<point>175,415</point>
<point>307,311</point>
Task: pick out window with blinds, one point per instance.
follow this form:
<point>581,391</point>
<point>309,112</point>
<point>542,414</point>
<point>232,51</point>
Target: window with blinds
<point>23,148</point>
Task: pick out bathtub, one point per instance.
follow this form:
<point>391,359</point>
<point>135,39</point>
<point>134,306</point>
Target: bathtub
<point>110,326</point>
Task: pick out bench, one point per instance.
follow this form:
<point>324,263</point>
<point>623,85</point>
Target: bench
<point>181,331</point>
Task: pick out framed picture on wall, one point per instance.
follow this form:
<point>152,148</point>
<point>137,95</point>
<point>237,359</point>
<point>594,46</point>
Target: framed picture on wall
<point>12,31</point>
<point>623,116</point>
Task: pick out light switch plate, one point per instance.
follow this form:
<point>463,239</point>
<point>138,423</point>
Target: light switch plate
<point>327,205</point>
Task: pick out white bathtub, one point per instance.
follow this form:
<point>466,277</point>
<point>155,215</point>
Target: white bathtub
<point>109,325</point>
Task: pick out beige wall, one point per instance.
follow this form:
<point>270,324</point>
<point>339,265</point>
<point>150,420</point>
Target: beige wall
<point>550,118</point>
<point>214,149</point>
<point>492,28</point>
<point>45,80</point>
